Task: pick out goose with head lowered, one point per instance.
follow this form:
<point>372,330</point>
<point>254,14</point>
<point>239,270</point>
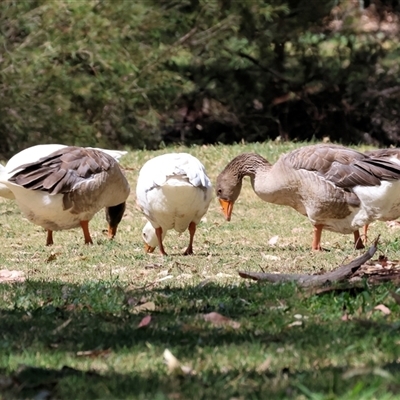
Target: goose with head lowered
<point>66,188</point>
<point>337,188</point>
<point>173,192</point>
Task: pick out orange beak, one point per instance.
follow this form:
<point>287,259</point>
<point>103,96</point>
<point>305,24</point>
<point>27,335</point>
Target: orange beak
<point>112,230</point>
<point>227,207</point>
<point>148,249</point>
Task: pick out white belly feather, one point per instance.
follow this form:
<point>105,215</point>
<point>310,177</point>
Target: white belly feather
<point>381,202</point>
<point>47,210</point>
<point>176,204</point>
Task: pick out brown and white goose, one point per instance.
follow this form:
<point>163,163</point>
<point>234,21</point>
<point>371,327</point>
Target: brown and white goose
<point>66,188</point>
<point>337,188</point>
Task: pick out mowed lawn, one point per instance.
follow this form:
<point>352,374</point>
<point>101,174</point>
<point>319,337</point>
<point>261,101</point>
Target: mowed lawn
<point>94,322</point>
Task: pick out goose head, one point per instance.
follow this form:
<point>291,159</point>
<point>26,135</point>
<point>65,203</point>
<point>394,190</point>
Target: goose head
<point>114,215</point>
<point>229,181</point>
<point>228,189</point>
<point>150,238</point>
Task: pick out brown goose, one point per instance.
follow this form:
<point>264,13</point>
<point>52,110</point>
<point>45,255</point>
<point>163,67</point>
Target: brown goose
<point>67,188</point>
<point>337,188</point>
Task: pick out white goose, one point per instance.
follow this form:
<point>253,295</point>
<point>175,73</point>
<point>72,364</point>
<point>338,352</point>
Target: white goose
<point>173,192</point>
<point>34,153</point>
<point>66,188</point>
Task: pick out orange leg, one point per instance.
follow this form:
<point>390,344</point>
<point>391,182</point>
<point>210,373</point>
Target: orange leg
<point>49,240</point>
<point>358,243</point>
<point>160,243</point>
<point>192,231</point>
<point>365,233</point>
<point>112,231</point>
<point>86,234</point>
<point>316,244</point>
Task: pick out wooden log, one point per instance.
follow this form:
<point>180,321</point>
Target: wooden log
<point>338,275</point>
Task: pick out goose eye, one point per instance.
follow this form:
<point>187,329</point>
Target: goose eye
<point>219,191</point>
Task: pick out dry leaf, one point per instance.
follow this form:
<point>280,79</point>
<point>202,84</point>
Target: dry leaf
<point>263,367</point>
<point>187,370</point>
<point>218,320</point>
<point>273,241</point>
<point>78,258</point>
<point>145,321</point>
<point>9,276</point>
<point>149,306</point>
<point>165,278</point>
<point>223,275</point>
<point>295,323</point>
<point>52,257</point>
<point>93,353</point>
<point>174,366</point>
<point>350,374</point>
<point>270,257</point>
<point>172,362</point>
<point>345,317</point>
<point>184,276</point>
<point>118,270</point>
<point>383,308</point>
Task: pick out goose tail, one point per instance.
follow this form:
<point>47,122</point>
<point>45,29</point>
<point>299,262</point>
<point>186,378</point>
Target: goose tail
<point>4,190</point>
<point>117,154</point>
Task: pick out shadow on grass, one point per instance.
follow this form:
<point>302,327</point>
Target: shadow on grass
<point>59,320</point>
<point>69,383</point>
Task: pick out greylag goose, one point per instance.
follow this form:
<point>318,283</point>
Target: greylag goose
<point>173,192</point>
<point>66,188</point>
<point>337,188</point>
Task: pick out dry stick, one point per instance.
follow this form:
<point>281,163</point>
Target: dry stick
<point>304,280</point>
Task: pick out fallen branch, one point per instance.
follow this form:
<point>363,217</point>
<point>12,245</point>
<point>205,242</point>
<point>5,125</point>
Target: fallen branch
<point>341,273</point>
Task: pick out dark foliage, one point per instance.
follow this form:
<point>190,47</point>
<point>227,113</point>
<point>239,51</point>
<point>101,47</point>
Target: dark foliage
<point>198,71</point>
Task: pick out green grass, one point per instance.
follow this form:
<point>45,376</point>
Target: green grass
<point>70,331</point>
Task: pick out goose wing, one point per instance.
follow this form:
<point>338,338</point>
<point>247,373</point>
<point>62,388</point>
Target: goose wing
<point>158,170</point>
<point>342,166</point>
<point>193,169</point>
<point>63,170</point>
<point>386,153</point>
